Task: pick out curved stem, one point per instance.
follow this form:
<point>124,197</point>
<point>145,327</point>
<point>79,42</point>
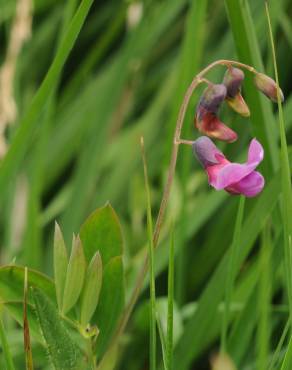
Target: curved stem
<point>199,78</point>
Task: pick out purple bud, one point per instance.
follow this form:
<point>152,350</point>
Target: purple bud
<point>205,150</point>
<point>212,97</point>
<point>267,86</point>
<point>232,80</point>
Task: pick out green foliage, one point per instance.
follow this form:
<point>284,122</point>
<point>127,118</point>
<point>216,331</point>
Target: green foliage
<point>60,264</point>
<point>22,138</point>
<point>5,347</point>
<point>63,352</point>
<point>91,290</point>
<point>152,316</point>
<point>88,84</point>
<point>111,303</point>
<point>102,232</point>
<point>74,276</point>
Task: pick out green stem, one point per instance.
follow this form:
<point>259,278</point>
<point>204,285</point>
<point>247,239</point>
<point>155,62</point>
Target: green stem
<point>170,299</point>
<point>152,272</point>
<point>230,276</point>
<point>198,79</point>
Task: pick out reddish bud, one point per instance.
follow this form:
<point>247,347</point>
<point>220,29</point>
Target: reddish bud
<point>206,119</point>
<point>209,124</point>
<point>267,86</point>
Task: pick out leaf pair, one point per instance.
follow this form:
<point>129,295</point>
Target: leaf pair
<point>74,279</point>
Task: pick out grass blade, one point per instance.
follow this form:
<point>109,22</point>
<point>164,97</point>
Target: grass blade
<point>170,299</point>
<point>21,140</point>
<point>152,273</point>
<point>285,178</point>
<point>248,52</point>
<point>162,340</point>
<point>287,362</point>
<point>231,272</point>
<point>264,296</point>
<point>279,346</point>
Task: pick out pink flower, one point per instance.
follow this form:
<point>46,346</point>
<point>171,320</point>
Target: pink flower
<point>235,178</point>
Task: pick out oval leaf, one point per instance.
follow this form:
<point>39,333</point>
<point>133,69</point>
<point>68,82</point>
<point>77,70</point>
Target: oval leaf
<point>75,276</point>
<point>60,263</point>
<point>63,352</point>
<point>102,232</point>
<point>11,293</point>
<point>111,303</point>
<point>91,289</point>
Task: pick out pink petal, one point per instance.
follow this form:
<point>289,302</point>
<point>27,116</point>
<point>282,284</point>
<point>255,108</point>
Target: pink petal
<point>249,186</point>
<point>255,152</point>
<point>233,172</point>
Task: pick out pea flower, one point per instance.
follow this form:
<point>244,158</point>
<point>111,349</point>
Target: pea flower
<point>267,86</point>
<point>206,119</point>
<point>234,178</point>
<point>232,80</point>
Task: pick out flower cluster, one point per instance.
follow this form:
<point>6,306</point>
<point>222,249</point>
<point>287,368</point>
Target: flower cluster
<point>234,178</point>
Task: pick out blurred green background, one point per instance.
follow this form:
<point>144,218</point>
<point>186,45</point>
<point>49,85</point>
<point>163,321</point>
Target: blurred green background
<point>78,147</point>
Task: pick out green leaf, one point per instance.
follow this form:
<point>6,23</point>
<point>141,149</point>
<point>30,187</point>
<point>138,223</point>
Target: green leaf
<point>60,264</point>
<point>75,276</point>
<point>91,289</point>
<point>11,293</point>
<point>5,348</point>
<point>102,232</point>
<point>12,281</point>
<point>111,303</point>
<point>109,360</point>
<point>63,352</point>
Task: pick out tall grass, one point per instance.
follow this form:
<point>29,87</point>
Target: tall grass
<point>88,85</point>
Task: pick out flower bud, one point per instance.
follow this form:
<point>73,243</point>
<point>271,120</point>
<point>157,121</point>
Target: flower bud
<point>206,151</point>
<point>212,97</point>
<point>209,124</point>
<point>206,119</point>
<point>267,86</point>
<point>222,362</point>
<point>232,80</point>
<point>239,105</point>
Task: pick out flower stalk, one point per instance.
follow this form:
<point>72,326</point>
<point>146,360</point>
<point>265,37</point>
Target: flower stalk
<point>177,141</point>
